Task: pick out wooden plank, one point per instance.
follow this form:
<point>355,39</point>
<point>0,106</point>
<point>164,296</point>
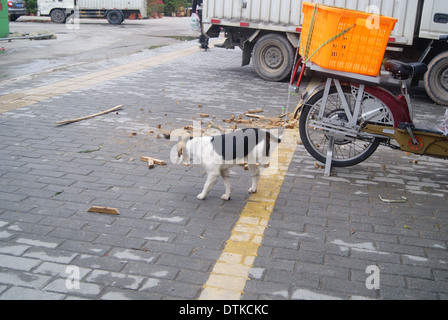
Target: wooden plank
<point>154,160</point>
<point>255,110</point>
<point>107,210</point>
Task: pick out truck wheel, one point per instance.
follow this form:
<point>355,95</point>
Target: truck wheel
<point>58,16</point>
<point>114,17</point>
<point>436,79</point>
<point>273,57</point>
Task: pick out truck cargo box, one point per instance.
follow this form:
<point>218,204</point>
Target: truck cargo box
<point>286,15</point>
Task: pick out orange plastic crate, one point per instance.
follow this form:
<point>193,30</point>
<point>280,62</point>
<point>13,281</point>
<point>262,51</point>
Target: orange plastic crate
<point>359,50</point>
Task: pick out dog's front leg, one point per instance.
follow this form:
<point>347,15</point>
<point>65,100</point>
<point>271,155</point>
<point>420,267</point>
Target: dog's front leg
<point>255,173</point>
<point>211,180</point>
<point>225,176</point>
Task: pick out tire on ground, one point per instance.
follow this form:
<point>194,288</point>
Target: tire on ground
<point>114,17</point>
<point>273,57</point>
<point>436,79</point>
<point>58,16</point>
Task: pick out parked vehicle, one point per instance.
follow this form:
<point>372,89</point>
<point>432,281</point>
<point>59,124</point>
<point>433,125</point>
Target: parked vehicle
<point>268,31</point>
<point>16,8</point>
<point>344,119</point>
<point>115,11</point>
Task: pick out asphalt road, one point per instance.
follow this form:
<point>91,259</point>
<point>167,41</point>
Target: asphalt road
<point>89,41</point>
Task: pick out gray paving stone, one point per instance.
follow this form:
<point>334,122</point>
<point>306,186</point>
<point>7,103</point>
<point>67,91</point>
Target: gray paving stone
<point>322,234</point>
<point>19,293</point>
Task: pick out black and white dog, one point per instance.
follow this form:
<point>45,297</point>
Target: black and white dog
<point>219,153</point>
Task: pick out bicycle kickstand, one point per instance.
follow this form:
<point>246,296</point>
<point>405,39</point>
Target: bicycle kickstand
<point>329,158</point>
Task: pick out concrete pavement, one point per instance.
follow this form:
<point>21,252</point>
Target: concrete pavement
<point>316,237</point>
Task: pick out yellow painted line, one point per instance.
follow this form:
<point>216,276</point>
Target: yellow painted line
<point>231,271</point>
<point>24,98</point>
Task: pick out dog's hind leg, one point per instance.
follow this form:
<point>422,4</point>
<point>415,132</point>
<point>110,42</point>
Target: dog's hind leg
<point>225,176</point>
<point>255,173</point>
<point>212,176</point>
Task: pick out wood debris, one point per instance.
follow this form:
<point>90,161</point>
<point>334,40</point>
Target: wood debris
<point>90,116</point>
<point>263,121</point>
<point>156,161</point>
<point>191,129</point>
<point>151,161</point>
<point>213,125</point>
<point>259,110</point>
<point>107,210</point>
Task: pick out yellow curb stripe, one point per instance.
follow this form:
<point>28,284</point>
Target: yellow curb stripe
<point>12,101</point>
<point>231,271</point>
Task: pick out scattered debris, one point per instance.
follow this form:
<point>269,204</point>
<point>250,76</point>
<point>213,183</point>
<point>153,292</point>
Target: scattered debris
<point>107,210</point>
<point>255,110</point>
<point>402,200</point>
<point>191,129</point>
<point>156,161</point>
<point>118,157</point>
<point>151,161</point>
<point>213,125</point>
<point>257,116</point>
<point>166,133</point>
<point>90,151</point>
<point>58,193</point>
<point>407,227</point>
<point>232,118</point>
<point>318,166</point>
<point>90,116</point>
<point>263,121</point>
<point>31,36</point>
<point>204,115</point>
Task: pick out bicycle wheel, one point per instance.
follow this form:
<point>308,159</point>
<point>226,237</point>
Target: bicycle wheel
<point>347,151</point>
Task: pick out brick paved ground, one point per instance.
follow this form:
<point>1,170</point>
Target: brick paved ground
<point>322,234</point>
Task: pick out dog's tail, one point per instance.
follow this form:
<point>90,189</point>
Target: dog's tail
<point>274,138</point>
<point>270,138</point>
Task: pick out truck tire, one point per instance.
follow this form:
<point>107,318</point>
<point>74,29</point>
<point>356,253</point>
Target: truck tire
<point>273,57</point>
<point>58,16</point>
<point>436,79</point>
<point>115,17</point>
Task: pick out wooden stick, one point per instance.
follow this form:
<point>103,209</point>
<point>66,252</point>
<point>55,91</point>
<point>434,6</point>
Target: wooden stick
<point>156,161</point>
<point>216,126</point>
<point>107,210</point>
<point>260,117</point>
<point>90,116</point>
<point>255,110</point>
<point>250,115</point>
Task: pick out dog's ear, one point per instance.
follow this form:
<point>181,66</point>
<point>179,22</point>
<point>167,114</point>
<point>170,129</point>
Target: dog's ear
<point>180,148</point>
<point>182,145</point>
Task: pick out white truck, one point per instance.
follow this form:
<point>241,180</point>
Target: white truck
<point>268,31</point>
<point>115,11</point>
